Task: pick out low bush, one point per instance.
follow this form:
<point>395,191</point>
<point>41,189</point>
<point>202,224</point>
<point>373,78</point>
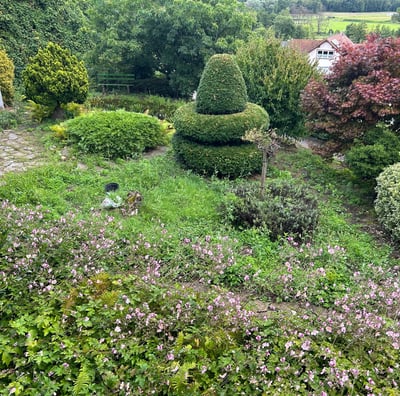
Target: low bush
<point>286,208</point>
<point>157,106</point>
<point>379,148</point>
<point>224,161</point>
<point>114,134</point>
<point>387,203</point>
<point>8,119</point>
<point>219,129</point>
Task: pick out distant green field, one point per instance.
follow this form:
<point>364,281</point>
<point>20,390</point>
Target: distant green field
<point>337,21</point>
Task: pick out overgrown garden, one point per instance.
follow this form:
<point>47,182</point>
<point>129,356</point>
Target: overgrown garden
<point>212,283</point>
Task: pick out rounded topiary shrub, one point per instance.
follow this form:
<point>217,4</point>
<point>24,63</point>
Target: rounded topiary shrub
<point>224,161</point>
<point>209,128</point>
<point>286,208</point>
<point>6,78</point>
<point>114,134</point>
<point>387,203</point>
<point>222,89</point>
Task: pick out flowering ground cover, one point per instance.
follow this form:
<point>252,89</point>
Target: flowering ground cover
<point>173,301</point>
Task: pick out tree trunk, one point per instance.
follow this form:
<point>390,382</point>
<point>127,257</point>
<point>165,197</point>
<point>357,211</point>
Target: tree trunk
<point>263,173</point>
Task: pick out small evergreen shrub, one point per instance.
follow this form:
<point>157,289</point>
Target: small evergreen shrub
<point>219,129</point>
<point>287,208</point>
<point>114,134</point>
<point>8,119</point>
<point>224,161</point>
<point>6,78</point>
<point>222,89</point>
<point>379,148</point>
<point>387,203</point>
<point>54,76</point>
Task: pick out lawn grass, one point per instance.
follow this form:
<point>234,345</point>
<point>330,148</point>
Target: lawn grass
<point>175,301</point>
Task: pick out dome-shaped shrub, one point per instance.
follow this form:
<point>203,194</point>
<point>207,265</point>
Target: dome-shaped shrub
<point>6,78</point>
<point>222,89</point>
<point>219,129</point>
<point>387,203</point>
<point>114,134</point>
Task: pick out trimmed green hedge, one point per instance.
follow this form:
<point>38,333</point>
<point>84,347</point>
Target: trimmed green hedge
<point>222,89</point>
<point>218,129</point>
<point>223,161</point>
<point>387,203</point>
<point>114,134</point>
<point>157,106</point>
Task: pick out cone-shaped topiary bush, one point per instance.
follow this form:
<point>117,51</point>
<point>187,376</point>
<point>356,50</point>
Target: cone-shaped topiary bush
<point>55,76</point>
<point>6,77</point>
<point>222,89</point>
<point>208,138</point>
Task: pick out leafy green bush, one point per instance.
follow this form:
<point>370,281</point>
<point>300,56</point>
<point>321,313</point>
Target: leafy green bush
<point>157,106</point>
<point>379,148</point>
<point>219,129</point>
<point>222,89</point>
<point>6,77</point>
<point>225,161</point>
<point>387,203</point>
<point>54,76</point>
<point>287,208</point>
<point>114,134</point>
<point>8,119</point>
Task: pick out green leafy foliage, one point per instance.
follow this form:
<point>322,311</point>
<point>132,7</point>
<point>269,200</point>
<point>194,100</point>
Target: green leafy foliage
<point>225,161</point>
<point>218,129</point>
<point>286,208</point>
<point>27,25</point>
<point>157,106</point>
<point>221,89</point>
<point>6,77</point>
<point>8,119</point>
<point>275,76</point>
<point>115,134</point>
<point>378,149</point>
<point>387,203</point>
<point>54,76</point>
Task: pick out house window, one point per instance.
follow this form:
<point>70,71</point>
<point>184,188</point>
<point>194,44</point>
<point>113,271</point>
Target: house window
<point>322,54</point>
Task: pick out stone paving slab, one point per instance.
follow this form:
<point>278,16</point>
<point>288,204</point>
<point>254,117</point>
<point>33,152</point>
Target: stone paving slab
<point>19,150</point>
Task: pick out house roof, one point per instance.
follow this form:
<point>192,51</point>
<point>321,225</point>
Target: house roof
<point>307,45</point>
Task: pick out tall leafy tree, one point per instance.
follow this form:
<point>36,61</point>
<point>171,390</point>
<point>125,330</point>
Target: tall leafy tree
<point>183,34</point>
<point>275,77</point>
<point>114,27</point>
<point>363,88</point>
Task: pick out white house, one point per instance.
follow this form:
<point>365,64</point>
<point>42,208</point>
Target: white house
<point>322,52</point>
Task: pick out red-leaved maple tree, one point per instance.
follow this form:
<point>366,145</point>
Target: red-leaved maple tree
<point>362,89</point>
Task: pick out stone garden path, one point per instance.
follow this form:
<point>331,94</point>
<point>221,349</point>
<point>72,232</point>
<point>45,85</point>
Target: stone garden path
<point>19,150</point>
